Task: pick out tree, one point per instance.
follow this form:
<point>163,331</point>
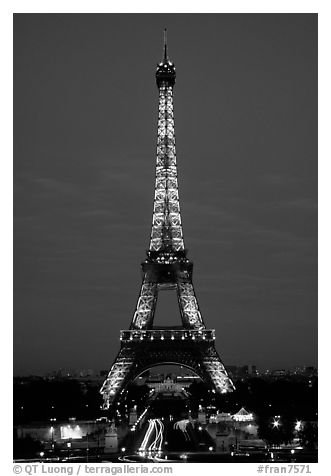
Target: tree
<point>282,433</point>
<point>26,447</point>
<point>308,435</point>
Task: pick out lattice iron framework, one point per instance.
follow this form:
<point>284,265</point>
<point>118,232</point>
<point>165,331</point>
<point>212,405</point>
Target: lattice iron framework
<point>166,267</point>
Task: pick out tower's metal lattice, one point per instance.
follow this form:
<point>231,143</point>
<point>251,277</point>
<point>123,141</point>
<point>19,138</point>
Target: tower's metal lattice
<point>166,267</point>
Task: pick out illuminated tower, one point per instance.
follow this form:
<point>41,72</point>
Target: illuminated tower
<point>166,268</point>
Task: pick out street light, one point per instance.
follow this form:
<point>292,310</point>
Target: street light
<point>52,433</point>
<point>68,446</point>
<point>276,422</point>
<point>298,425</point>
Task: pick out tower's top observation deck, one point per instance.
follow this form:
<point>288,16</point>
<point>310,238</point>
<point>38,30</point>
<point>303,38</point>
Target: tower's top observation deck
<point>165,70</point>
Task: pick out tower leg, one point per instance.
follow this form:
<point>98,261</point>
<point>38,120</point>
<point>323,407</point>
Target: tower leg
<point>114,383</point>
<point>188,306</point>
<point>215,371</point>
<point>145,309</point>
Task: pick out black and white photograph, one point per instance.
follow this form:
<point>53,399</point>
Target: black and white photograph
<point>165,179</point>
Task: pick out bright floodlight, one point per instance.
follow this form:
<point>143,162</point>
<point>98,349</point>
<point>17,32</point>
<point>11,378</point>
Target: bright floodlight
<point>298,425</point>
<point>276,423</point>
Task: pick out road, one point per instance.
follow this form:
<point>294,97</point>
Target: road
<point>154,437</point>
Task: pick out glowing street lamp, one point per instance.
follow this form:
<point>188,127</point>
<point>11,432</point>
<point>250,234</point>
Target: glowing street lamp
<point>69,446</point>
<point>275,423</point>
<point>52,433</point>
<point>298,425</point>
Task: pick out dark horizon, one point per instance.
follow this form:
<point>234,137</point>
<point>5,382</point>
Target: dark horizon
<point>85,114</point>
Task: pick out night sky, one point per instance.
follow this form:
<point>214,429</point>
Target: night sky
<point>85,123</point>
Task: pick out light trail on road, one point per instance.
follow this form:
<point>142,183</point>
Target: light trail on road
<point>147,435</point>
<point>155,426</point>
<point>182,425</point>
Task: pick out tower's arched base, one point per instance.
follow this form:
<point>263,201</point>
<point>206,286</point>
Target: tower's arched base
<point>140,351</point>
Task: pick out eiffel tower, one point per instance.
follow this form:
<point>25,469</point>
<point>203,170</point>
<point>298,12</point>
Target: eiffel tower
<point>166,267</point>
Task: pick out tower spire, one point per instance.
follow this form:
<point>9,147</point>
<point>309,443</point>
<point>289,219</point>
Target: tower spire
<point>165,52</point>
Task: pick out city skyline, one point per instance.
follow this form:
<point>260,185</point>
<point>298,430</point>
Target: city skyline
<point>84,141</point>
<point>168,369</point>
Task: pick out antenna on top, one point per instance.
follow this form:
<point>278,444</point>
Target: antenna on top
<point>165,53</point>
